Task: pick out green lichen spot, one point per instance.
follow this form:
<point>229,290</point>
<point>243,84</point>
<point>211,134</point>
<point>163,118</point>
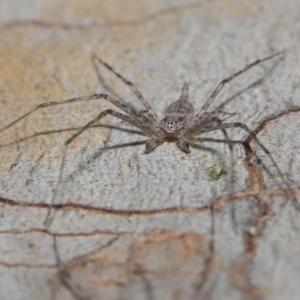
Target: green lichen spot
<point>215,172</point>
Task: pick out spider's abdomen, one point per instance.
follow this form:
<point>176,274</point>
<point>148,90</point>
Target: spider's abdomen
<point>179,108</point>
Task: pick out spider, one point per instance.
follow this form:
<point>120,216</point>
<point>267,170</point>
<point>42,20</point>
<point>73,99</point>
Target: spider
<point>181,123</point>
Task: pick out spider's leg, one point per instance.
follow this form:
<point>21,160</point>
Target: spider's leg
<point>131,86</point>
<point>265,150</point>
<point>108,98</point>
<point>152,144</point>
<point>213,140</point>
<point>101,79</point>
<point>218,122</point>
<point>111,112</point>
<point>83,165</point>
<point>48,132</point>
<point>104,113</point>
<point>136,143</point>
<point>230,146</point>
<point>228,79</point>
<point>244,144</point>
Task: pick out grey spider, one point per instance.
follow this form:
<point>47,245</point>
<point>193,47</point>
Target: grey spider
<point>181,124</point>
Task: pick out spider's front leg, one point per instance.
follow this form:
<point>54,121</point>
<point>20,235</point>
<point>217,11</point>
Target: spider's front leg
<point>152,144</point>
<point>183,145</point>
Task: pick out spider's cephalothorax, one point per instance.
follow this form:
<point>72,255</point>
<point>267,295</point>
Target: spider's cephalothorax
<point>181,124</point>
<point>173,126</point>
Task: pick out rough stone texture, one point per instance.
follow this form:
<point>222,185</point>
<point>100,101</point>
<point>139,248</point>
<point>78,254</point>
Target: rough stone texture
<point>134,226</point>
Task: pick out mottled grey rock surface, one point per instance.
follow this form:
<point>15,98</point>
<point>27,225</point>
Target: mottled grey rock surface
<point>133,226</point>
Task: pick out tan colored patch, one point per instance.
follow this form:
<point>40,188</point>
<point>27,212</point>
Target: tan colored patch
<point>39,64</point>
<point>39,72</point>
<point>98,11</point>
